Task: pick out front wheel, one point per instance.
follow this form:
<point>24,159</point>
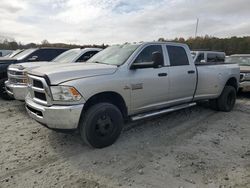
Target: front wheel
<point>3,92</point>
<point>227,99</point>
<point>101,125</point>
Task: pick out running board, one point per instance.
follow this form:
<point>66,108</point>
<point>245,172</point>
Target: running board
<point>168,110</point>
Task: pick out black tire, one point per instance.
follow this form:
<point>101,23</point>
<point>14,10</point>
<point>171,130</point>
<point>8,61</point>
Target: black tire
<point>213,104</point>
<point>101,125</point>
<point>3,93</point>
<point>227,99</point>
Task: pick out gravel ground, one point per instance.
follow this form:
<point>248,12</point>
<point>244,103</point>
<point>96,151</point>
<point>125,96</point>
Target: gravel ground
<point>195,147</point>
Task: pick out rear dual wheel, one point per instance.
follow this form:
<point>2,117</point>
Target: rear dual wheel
<point>226,100</point>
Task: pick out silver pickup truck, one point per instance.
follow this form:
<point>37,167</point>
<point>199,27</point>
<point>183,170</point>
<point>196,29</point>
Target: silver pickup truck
<point>126,82</point>
<point>16,85</point>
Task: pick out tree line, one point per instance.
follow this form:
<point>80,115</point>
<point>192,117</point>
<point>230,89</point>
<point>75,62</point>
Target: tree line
<point>13,45</point>
<point>232,45</point>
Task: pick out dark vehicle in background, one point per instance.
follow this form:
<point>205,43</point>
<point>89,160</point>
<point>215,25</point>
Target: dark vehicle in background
<point>208,56</point>
<point>17,83</point>
<point>244,62</point>
<point>29,55</point>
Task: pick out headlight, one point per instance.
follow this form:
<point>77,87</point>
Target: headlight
<point>247,76</point>
<point>65,93</point>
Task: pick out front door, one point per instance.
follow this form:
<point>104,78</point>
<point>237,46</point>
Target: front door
<point>149,86</point>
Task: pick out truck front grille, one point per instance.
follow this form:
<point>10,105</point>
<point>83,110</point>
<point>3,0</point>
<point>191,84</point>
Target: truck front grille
<point>38,84</point>
<point>40,96</point>
<point>39,90</point>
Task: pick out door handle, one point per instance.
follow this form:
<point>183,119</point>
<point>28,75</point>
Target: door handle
<point>162,74</point>
<point>191,72</point>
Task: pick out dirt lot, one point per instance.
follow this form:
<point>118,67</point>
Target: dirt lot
<point>195,147</point>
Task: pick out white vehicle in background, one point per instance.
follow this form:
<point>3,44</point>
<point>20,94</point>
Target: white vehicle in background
<point>208,56</point>
<point>14,53</point>
<point>16,85</point>
<point>5,52</point>
<point>244,62</point>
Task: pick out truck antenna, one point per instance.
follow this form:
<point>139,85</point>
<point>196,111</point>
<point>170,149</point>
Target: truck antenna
<point>196,28</point>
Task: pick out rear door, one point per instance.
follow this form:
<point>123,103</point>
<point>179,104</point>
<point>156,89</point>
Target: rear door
<point>149,86</point>
<point>182,75</point>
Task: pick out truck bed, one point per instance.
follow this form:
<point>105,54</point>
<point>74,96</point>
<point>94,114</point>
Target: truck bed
<point>212,78</point>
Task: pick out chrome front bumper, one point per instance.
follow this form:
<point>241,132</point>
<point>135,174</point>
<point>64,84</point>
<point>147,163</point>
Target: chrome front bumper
<point>245,85</point>
<point>55,116</point>
<point>19,92</point>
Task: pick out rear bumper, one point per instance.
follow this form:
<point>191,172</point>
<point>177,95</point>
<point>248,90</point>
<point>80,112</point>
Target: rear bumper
<point>19,92</point>
<point>55,116</point>
<point>245,86</point>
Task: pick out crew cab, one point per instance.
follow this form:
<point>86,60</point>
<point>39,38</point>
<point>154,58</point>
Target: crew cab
<point>208,56</point>
<point>16,85</point>
<point>244,62</point>
<point>126,82</point>
<point>29,55</point>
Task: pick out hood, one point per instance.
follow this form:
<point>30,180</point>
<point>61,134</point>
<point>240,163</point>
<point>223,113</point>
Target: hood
<point>7,60</point>
<point>245,69</point>
<point>64,72</point>
<point>30,65</point>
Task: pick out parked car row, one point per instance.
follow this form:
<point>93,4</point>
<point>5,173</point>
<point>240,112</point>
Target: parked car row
<point>29,55</point>
<point>120,83</point>
<point>16,85</point>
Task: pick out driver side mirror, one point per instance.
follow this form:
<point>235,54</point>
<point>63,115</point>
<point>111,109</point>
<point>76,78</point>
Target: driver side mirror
<point>157,62</point>
<point>33,58</point>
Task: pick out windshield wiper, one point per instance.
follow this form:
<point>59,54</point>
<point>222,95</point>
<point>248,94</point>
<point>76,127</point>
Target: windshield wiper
<point>99,62</point>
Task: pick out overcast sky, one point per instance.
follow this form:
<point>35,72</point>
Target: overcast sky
<point>118,21</point>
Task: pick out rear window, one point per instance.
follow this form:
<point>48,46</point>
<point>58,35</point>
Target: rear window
<point>215,57</point>
<point>177,56</point>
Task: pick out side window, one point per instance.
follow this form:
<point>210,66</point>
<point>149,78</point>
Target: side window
<point>146,53</point>
<point>220,58</point>
<point>177,56</point>
<point>86,56</point>
<point>44,55</point>
<point>200,58</point>
<point>34,56</point>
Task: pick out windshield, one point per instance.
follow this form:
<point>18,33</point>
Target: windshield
<point>24,53</point>
<point>13,54</point>
<point>241,60</point>
<point>114,55</point>
<point>68,56</point>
